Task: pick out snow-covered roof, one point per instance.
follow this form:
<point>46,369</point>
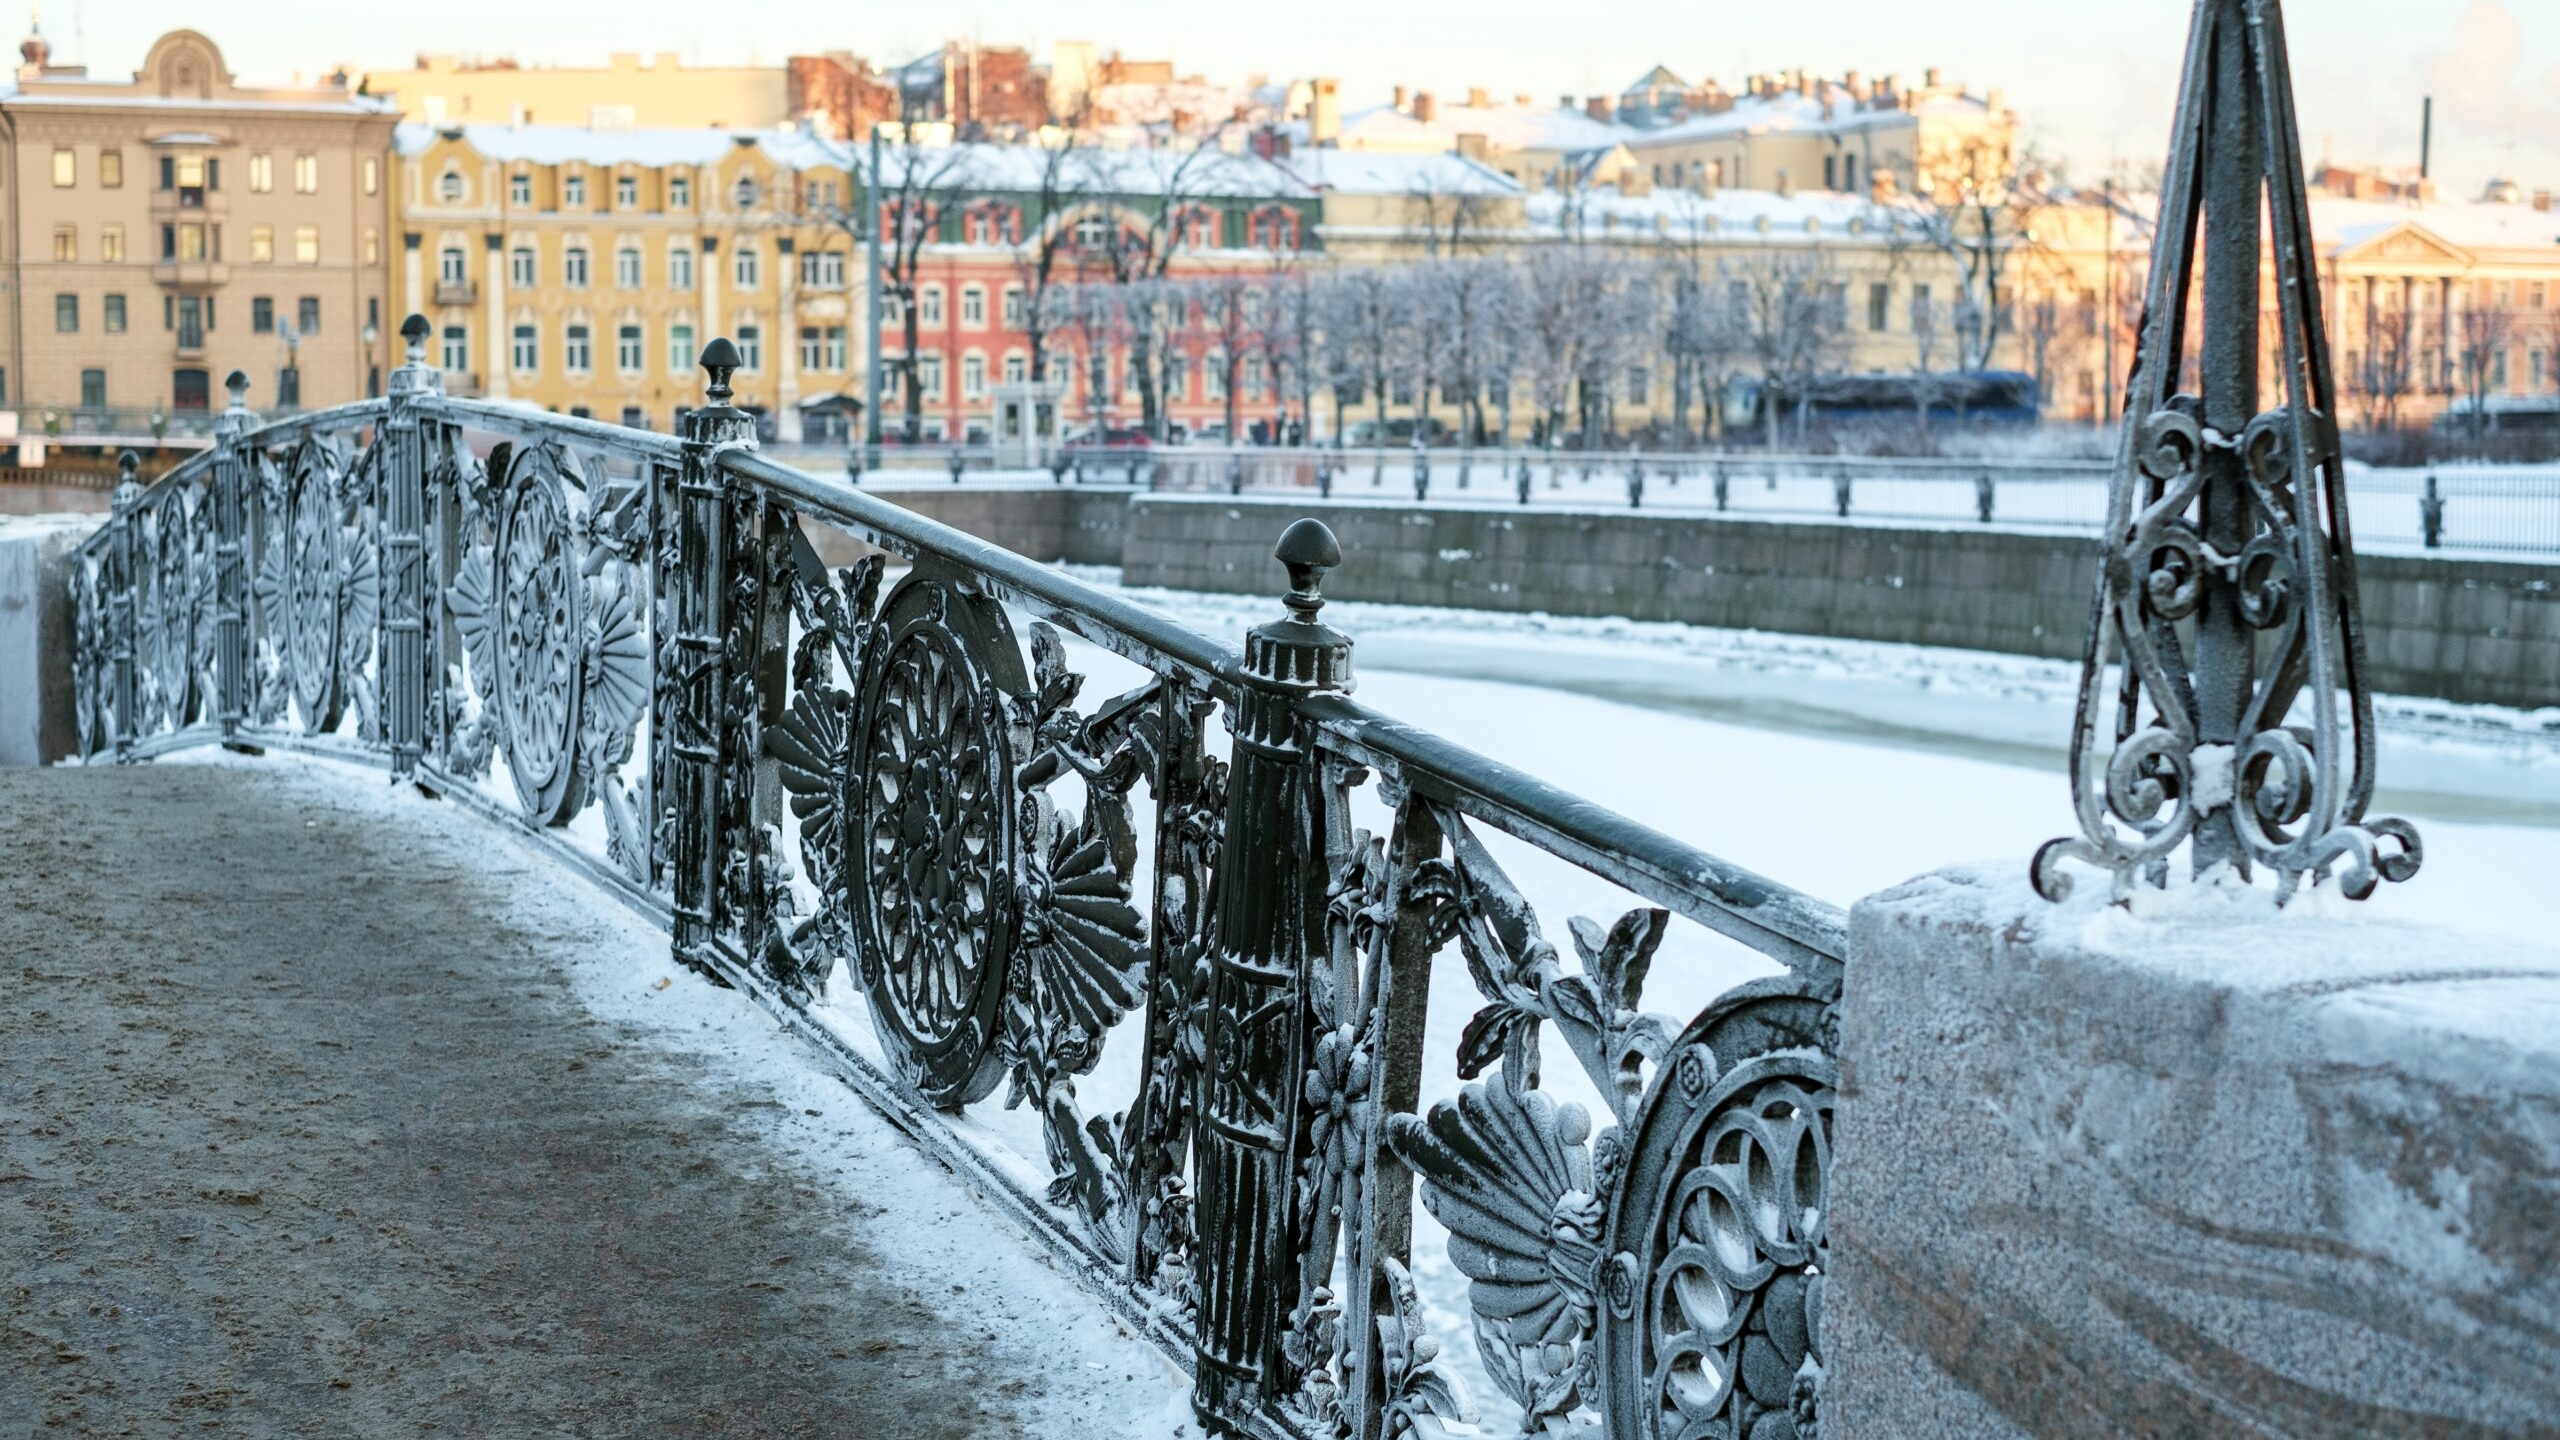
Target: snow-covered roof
<point>1137,171</point>
<point>2342,224</point>
<point>1505,127</point>
<point>1392,172</point>
<point>561,144</point>
<point>1791,111</point>
<point>1728,215</point>
<point>102,93</point>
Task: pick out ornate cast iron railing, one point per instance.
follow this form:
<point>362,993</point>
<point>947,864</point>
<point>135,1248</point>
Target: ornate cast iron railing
<point>2223,700</point>
<point>628,643</point>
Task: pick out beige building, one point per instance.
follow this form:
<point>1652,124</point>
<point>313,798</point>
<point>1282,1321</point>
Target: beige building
<point>627,93</point>
<point>582,270</point>
<point>164,230</point>
<point>1848,135</point>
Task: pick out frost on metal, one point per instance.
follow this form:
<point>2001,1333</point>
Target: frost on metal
<point>2224,704</point>
<point>812,773</point>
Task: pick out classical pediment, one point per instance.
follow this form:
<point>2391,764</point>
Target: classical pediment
<point>2407,243</point>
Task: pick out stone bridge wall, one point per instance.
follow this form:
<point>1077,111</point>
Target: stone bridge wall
<point>2470,630</point>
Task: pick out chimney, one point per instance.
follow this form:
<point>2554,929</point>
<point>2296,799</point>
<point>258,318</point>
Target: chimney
<point>1401,104</point>
<point>1597,107</point>
<point>1425,109</point>
<point>1472,146</point>
<point>1324,111</point>
<point>1849,82</point>
<point>1478,98</point>
<point>2542,201</point>
<point>1929,78</point>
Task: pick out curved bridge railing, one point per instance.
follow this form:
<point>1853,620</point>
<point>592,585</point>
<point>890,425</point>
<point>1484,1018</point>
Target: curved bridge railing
<point>1189,931</point>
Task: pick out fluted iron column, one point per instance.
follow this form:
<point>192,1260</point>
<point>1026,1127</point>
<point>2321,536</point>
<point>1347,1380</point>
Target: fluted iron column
<point>404,518</point>
<point>1271,906</point>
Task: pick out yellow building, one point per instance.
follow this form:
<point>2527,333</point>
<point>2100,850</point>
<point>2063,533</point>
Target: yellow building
<point>627,93</point>
<point>582,270</point>
<point>2427,302</point>
<point>1820,134</point>
<point>166,229</point>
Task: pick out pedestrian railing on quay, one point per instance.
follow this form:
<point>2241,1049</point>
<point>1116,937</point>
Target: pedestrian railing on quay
<point>584,630</point>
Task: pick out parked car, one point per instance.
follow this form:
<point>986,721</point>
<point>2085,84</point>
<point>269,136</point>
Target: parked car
<point>1397,432</point>
<point>1110,440</point>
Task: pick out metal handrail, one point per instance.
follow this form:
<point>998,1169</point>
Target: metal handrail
<point>400,590</point>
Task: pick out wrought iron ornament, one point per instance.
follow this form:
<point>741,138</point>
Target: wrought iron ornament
<point>2223,700</point>
<point>813,777</point>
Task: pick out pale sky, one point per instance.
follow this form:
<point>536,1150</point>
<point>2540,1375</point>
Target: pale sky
<point>2095,79</point>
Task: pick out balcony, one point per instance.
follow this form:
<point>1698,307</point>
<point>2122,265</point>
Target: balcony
<point>457,292</point>
<point>190,272</point>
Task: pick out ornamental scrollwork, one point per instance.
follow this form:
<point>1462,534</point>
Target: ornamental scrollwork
<point>2224,704</point>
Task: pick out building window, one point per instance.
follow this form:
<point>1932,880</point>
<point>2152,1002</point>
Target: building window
<point>929,376</point>
<point>113,316</point>
<point>679,192</point>
<point>306,315</point>
<point>626,267</point>
<point>520,267</point>
<point>1639,384</point>
<point>745,193</point>
<point>66,166</point>
<point>262,315</point>
<point>262,173</point>
<point>66,314</point>
<point>576,352</point>
<point>453,265</point>
<point>973,307</point>
<point>822,269</point>
<point>372,247</point>
<point>628,354</point>
<point>520,189</point>
<point>679,269</point>
<point>526,351</point>
<point>449,187</point>
<point>634,418</point>
<point>1011,309</point>
<point>289,386</point>
<point>744,267</point>
<point>93,389</point>
<point>1920,312</point>
<point>813,348</point>
<point>457,347</point>
<point>66,242</point>
<point>750,347</point>
<point>111,169</point>
<point>306,174</point>
<point>306,244</point>
<point>191,242</point>
<point>372,175</point>
<point>680,346</point>
<point>835,347</point>
<point>1017,367</point>
<point>111,243</point>
<point>262,244</point>
<point>929,306</point>
<point>573,192</point>
<point>1879,306</point>
<point>573,267</point>
<point>973,376</point>
<point>626,192</point>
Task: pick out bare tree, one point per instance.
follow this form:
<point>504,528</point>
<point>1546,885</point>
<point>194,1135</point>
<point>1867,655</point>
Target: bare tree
<point>2484,333</point>
<point>1044,261</point>
<point>1564,285</point>
<point>1971,208</point>
<point>1228,310</point>
<point>1093,316</point>
<point>1447,213</point>
<point>1360,334</point>
<point>1174,181</point>
<point>2389,369</point>
<point>1787,309</point>
<point>1474,307</point>
<point>1286,335</point>
<point>919,185</point>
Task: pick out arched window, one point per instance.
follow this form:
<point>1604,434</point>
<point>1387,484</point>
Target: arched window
<point>449,187</point>
<point>573,267</point>
<point>746,192</point>
<point>520,267</point>
<point>628,350</point>
<point>1273,227</point>
<point>453,265</point>
<point>626,267</point>
<point>577,349</point>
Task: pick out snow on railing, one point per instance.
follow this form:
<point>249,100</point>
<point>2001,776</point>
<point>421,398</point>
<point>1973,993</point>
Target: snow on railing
<point>1188,931</point>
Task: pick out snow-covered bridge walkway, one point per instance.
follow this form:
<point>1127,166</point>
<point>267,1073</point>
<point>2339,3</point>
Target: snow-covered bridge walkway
<point>318,1119</point>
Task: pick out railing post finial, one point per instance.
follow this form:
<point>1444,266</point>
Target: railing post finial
<point>413,336</point>
<point>236,385</point>
<point>720,361</point>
